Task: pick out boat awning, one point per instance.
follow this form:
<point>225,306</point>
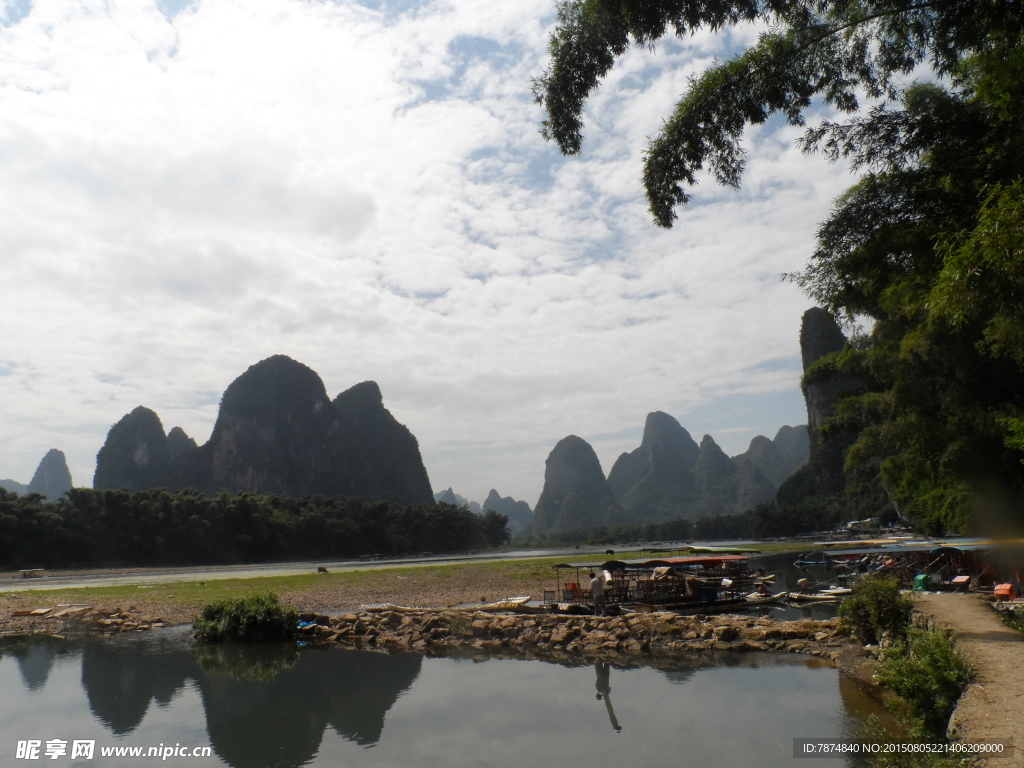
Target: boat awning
<point>684,561</point>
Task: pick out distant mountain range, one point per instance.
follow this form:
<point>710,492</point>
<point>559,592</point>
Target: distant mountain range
<point>451,497</point>
<point>519,514</point>
<point>669,476</point>
<point>277,432</point>
<point>52,478</point>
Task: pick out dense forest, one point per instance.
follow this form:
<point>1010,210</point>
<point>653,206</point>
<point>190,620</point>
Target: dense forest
<point>765,521</point>
<point>161,527</point>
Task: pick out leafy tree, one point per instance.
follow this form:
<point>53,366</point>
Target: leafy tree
<point>496,530</point>
<point>835,50</point>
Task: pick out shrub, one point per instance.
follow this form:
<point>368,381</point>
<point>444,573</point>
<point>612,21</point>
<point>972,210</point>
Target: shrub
<point>1014,619</point>
<point>930,674</point>
<point>257,618</point>
<point>876,609</point>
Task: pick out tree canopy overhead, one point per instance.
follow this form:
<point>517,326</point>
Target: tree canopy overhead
<point>835,50</point>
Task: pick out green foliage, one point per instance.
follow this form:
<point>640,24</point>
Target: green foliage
<point>876,609</point>
<point>672,530</point>
<point>161,527</point>
<point>765,521</point>
<point>252,619</point>
<point>873,732</point>
<point>928,246</point>
<point>930,675</point>
<point>1014,619</point>
<point>495,528</point>
<point>834,51</point>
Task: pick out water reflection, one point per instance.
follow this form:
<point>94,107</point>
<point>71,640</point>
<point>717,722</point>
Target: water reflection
<point>604,690</point>
<point>35,658</point>
<point>276,707</point>
<point>255,663</point>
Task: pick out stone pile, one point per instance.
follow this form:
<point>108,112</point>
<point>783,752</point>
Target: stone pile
<point>441,631</point>
<point>86,618</point>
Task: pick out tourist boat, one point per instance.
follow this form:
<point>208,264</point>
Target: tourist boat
<point>691,583</point>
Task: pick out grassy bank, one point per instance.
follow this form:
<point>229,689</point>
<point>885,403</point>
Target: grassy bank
<point>435,586</point>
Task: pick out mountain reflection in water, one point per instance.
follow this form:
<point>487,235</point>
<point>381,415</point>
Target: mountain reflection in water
<point>273,707</point>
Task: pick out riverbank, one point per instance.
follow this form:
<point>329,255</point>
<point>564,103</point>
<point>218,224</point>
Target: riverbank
<point>439,587</point>
<point>992,707</point>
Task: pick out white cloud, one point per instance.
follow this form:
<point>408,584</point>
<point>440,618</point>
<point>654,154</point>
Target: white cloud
<point>189,188</point>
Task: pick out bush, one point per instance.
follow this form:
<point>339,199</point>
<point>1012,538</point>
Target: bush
<point>1014,619</point>
<point>876,609</point>
<point>930,674</point>
<point>257,618</point>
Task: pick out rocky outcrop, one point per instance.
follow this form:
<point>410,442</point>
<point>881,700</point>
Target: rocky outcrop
<point>271,431</point>
<point>726,486</point>
<point>519,514</point>
<point>576,494</point>
<point>179,443</point>
<point>135,455</point>
<point>373,456</point>
<point>779,458</point>
<point>559,636</point>
<point>657,481</point>
<point>277,432</point>
<point>669,476</point>
<point>820,336</point>
<point>52,478</point>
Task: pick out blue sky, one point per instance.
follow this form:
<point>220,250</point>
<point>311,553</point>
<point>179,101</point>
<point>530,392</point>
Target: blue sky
<point>189,187</point>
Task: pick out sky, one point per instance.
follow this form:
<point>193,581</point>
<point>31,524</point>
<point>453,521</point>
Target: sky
<point>188,187</point>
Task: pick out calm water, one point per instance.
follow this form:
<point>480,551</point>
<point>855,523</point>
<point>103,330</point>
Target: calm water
<point>286,707</point>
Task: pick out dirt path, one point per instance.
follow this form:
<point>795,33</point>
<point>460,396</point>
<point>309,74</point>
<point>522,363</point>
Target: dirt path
<point>993,706</point>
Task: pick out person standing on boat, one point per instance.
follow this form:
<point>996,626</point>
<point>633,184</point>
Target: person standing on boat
<point>597,590</point>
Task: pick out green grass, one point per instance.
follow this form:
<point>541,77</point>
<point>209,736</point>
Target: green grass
<point>214,590</point>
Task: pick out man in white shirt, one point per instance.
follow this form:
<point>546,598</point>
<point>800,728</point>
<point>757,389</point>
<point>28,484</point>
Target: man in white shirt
<point>597,589</point>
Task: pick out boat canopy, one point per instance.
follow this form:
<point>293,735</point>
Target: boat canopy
<point>624,565</point>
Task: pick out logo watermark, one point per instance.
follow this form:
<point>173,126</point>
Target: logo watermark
<point>85,749</point>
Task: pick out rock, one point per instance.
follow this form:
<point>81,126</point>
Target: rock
<point>726,633</point>
<point>670,476</point>
<point>656,481</point>
<point>278,432</point>
<point>52,478</point>
<point>563,634</point>
<point>178,443</point>
<point>135,455</point>
<point>823,472</point>
<point>576,494</point>
<point>481,627</point>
